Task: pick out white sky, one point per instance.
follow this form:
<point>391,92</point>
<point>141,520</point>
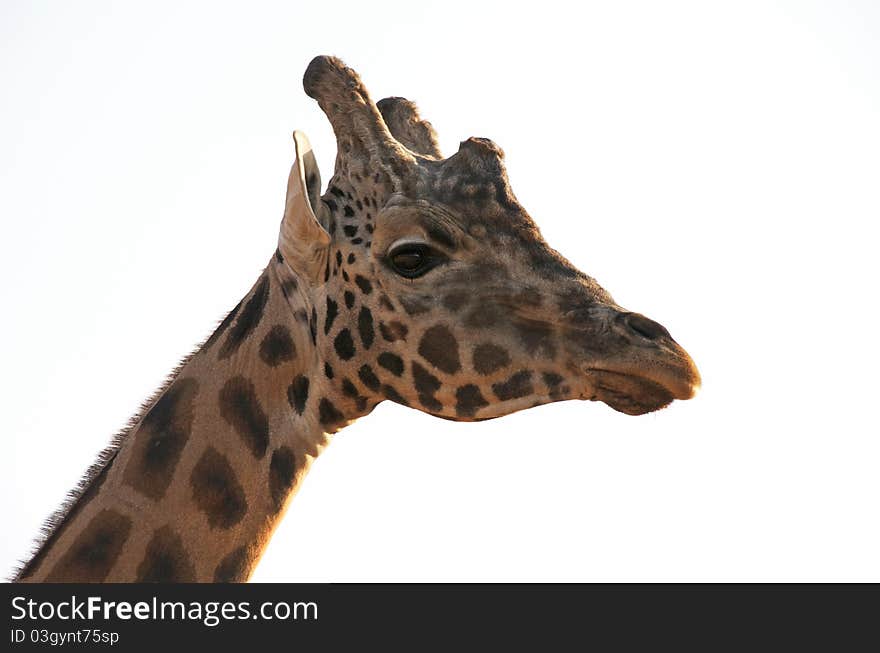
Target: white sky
<point>714,165</point>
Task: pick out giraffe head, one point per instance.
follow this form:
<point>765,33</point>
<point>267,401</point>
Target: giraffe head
<point>427,283</point>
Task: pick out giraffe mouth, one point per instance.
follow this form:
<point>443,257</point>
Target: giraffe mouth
<point>630,394</point>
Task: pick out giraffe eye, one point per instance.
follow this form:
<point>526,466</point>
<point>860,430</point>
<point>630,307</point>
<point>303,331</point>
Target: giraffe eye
<point>412,260</point>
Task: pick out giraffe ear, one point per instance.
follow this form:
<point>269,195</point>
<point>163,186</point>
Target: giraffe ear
<point>303,242</point>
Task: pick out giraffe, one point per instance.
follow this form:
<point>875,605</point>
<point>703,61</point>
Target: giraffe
<point>414,278</point>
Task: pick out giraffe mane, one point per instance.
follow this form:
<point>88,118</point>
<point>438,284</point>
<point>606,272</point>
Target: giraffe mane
<point>51,525</point>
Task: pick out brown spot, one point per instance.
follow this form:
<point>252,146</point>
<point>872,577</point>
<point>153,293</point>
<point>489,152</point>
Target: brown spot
<point>440,348</point>
<point>391,362</point>
<point>430,403</point>
<point>313,326</point>
<point>221,328</point>
<point>368,377</point>
<point>216,491</point>
<point>537,338</point>
<point>391,393</point>
<point>415,305</point>
<point>393,331</point>
<point>165,560</point>
<point>160,439</point>
<point>455,300</point>
<point>551,379</point>
<point>88,494</point>
<point>364,284</point>
<point>277,346</point>
<point>281,471</point>
<point>350,390</point>
<point>344,345</point>
<point>241,409</point>
<point>298,391</point>
<point>518,385</point>
<point>489,358</point>
<point>483,317</point>
<point>365,327</point>
<point>426,382</point>
<point>235,567</point>
<point>95,550</point>
<point>248,318</point>
<point>329,416</point>
<point>385,303</point>
<point>288,287</point>
<point>332,312</point>
<point>468,400</point>
<point>554,382</point>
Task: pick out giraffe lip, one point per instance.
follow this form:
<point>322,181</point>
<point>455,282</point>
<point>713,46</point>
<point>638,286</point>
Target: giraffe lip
<point>633,394</point>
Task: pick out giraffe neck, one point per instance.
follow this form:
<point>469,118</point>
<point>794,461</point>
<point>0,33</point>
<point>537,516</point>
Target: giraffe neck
<point>195,488</point>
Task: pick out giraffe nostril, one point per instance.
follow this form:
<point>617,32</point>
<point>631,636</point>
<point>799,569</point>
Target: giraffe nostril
<point>645,327</point>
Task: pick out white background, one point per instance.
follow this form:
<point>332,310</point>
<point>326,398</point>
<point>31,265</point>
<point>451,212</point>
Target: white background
<point>714,165</point>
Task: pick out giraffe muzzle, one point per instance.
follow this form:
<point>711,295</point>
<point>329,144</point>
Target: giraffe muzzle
<point>647,374</point>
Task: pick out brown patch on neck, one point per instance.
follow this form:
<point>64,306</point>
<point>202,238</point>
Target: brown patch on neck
<point>91,557</point>
<point>90,493</point>
<point>166,429</point>
<point>165,560</point>
<point>236,566</point>
<point>216,490</point>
